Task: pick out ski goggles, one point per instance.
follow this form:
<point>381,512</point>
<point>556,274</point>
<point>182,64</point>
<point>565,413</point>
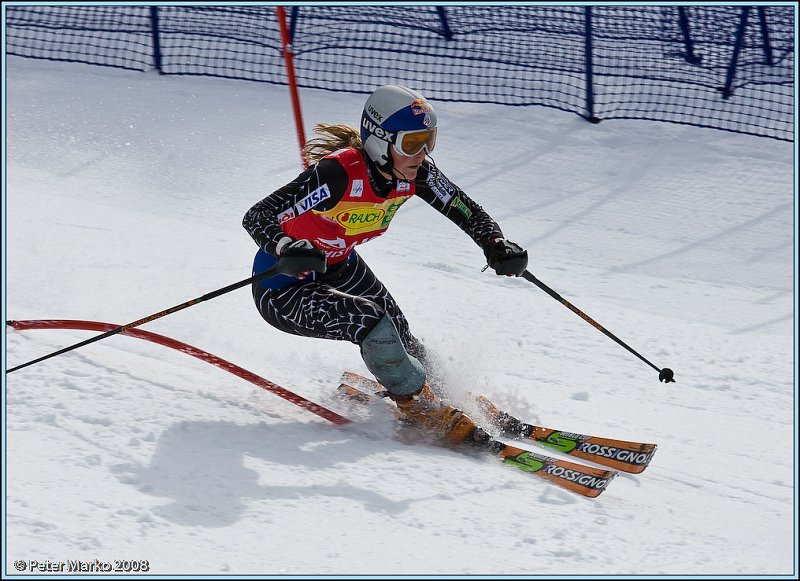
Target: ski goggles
<point>410,143</point>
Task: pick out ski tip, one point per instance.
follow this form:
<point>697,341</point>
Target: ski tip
<point>643,460</point>
<point>595,492</point>
<point>354,394</point>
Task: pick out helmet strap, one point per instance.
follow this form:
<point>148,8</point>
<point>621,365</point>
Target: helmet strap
<point>398,174</point>
<point>389,165</point>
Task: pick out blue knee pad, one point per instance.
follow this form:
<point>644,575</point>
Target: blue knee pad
<point>388,360</point>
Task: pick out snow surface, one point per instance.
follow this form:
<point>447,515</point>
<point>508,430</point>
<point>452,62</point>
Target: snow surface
<point>124,196</point>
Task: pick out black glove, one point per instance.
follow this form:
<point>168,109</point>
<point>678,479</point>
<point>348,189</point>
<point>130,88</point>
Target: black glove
<point>299,257</point>
<point>506,258</point>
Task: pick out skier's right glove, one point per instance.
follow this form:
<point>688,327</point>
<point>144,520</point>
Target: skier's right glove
<point>505,257</point>
<point>299,257</point>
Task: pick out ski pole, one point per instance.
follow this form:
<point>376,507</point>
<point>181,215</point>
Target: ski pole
<point>316,263</point>
<point>666,374</point>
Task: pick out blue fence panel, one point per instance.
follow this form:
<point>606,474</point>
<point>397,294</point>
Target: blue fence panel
<point>728,67</point>
<point>115,36</point>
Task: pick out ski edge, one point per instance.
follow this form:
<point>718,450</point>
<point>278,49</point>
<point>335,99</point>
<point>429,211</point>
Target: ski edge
<point>584,480</point>
<point>626,456</point>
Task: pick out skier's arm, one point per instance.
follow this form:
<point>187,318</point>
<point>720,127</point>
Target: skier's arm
<point>262,221</point>
<point>505,257</point>
<point>434,187</point>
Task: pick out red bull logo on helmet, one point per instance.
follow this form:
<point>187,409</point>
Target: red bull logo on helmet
<point>420,106</point>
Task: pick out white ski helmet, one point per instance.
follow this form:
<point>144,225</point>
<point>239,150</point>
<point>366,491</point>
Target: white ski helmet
<point>399,117</point>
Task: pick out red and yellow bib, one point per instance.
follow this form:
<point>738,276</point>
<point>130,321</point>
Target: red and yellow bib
<point>359,216</point>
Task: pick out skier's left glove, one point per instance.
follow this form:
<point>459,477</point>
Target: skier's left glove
<point>299,257</point>
<point>506,257</point>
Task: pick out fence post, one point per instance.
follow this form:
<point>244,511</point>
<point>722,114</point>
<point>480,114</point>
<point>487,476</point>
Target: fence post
<point>727,90</point>
<point>156,34</point>
<point>683,18</point>
<point>762,19</point>
<point>446,32</point>
<point>293,22</point>
<point>589,66</point>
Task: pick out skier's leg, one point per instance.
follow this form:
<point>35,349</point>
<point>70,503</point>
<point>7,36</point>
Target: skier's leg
<point>355,306</point>
<point>314,309</point>
<point>386,357</point>
<point>358,279</point>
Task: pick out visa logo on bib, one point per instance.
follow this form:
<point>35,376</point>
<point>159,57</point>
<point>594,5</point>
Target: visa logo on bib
<point>314,198</point>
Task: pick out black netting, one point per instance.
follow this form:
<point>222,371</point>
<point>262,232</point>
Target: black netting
<point>116,36</point>
<point>728,67</point>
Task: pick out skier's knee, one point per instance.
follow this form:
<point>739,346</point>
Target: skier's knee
<point>387,359</point>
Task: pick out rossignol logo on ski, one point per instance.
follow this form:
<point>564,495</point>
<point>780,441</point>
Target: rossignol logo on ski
<point>627,456</point>
<point>530,462</point>
<point>586,480</point>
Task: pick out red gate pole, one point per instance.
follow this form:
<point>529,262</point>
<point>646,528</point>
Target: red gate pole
<point>288,59</point>
<point>188,350</point>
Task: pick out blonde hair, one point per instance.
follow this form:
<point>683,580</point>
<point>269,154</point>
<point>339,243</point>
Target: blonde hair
<point>329,138</point>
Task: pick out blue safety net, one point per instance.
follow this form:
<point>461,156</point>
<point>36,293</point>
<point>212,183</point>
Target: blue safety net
<point>724,66</point>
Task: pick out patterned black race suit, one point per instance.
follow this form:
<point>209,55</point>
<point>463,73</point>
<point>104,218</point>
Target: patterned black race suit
<point>336,204</point>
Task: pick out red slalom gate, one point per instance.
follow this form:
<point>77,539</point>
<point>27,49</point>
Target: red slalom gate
<point>189,350</point>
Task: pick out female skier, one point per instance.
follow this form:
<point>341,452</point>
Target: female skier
<point>348,195</point>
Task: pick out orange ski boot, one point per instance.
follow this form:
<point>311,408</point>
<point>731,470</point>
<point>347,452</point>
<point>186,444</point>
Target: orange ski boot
<point>427,411</point>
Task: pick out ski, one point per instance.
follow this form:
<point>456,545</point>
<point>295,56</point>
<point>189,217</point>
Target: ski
<point>631,457</point>
<point>584,480</point>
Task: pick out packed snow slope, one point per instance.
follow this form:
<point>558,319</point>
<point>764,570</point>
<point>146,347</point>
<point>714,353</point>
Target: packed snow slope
<point>124,197</point>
